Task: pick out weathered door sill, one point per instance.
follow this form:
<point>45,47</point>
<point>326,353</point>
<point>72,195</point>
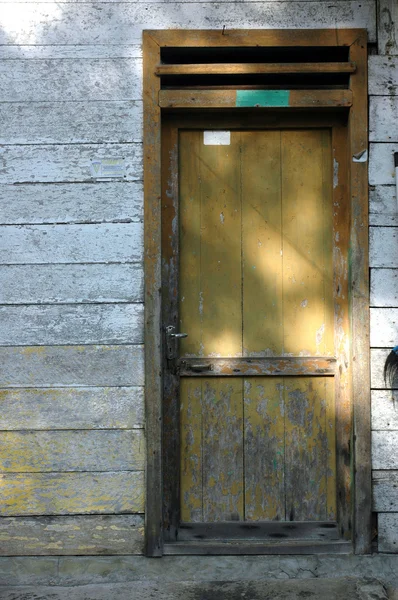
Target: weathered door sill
<point>255,547</point>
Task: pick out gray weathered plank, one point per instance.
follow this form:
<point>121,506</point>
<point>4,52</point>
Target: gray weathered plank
<point>71,324</point>
<point>58,80</point>
<point>384,287</point>
<point>383,247</point>
<point>383,205</point>
<point>387,525</point>
<point>385,485</point>
<point>383,124</point>
<point>80,535</point>
<point>99,51</point>
<point>55,366</point>
<point>71,202</point>
<point>381,163</point>
<point>378,358</point>
<point>52,284</point>
<point>71,493</point>
<point>387,28</point>
<point>67,451</point>
<point>383,75</point>
<point>99,243</point>
<point>70,122</point>
<point>384,409</point>
<point>385,450</point>
<point>64,163</point>
<point>383,327</point>
<point>72,408</point>
<point>75,23</point>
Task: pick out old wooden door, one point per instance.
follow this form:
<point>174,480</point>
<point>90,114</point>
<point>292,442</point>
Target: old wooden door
<point>253,385</point>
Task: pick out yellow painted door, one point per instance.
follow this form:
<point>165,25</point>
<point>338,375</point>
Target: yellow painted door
<point>255,282</point>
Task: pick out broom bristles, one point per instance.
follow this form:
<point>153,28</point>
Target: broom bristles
<point>391,368</point>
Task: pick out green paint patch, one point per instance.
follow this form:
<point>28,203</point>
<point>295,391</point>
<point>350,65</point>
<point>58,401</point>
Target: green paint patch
<point>262,98</point>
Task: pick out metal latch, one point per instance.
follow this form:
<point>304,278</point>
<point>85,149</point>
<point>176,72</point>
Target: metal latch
<point>171,341</point>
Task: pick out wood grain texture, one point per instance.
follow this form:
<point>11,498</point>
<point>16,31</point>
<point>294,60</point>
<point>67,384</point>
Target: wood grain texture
<point>383,126</point>
<point>106,242</point>
<point>71,324</point>
<point>387,16</point>
<point>253,68</point>
<point>98,51</point>
<point>383,75</point>
<point>383,249</point>
<point>64,163</point>
<point>387,527</point>
<point>72,493</point>
<point>71,451</point>
<point>49,366</point>
<point>57,80</point>
<point>383,205</point>
<point>384,287</point>
<point>82,23</point>
<point>75,536</point>
<point>191,468</point>
<point>384,450</point>
<point>385,497</point>
<point>384,410</point>
<point>378,358</point>
<point>383,327</point>
<point>71,203</point>
<point>70,122</point>
<point>53,284</point>
<point>72,408</point>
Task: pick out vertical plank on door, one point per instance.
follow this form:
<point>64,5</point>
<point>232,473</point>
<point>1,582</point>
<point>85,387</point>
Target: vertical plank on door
<point>303,242</point>
<point>221,277</point>
<point>327,257</point>
<point>261,243</point>
<point>222,449</point>
<point>306,449</point>
<point>331,468</point>
<point>191,450</point>
<point>264,449</point>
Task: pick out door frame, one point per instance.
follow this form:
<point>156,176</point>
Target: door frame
<point>355,101</point>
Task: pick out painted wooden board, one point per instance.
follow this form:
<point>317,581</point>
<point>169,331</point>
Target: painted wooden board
<point>53,284</point>
<point>383,327</point>
<point>98,51</point>
<point>381,163</point>
<point>94,202</point>
<point>384,287</point>
<point>383,205</point>
<point>378,358</point>
<point>383,249</point>
<point>70,122</point>
<point>76,23</point>
<point>100,243</point>
<point>383,75</point>
<point>69,451</point>
<point>385,485</point>
<point>76,536</point>
<point>387,527</point>
<point>385,450</point>
<point>72,408</point>
<point>71,493</point>
<point>57,366</point>
<point>383,126</point>
<point>191,467</point>
<point>387,13</point>
<point>57,80</point>
<point>65,163</point>
<point>71,324</point>
<point>384,409</point>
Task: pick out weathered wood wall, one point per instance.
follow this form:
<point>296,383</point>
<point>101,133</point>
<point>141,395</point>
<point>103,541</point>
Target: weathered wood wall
<point>71,281</point>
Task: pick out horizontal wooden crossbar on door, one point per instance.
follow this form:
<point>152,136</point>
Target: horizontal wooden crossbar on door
<point>255,68</point>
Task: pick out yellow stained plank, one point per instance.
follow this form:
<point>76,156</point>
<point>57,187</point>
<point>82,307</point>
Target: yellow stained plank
<point>305,241</point>
<point>221,278</point>
<point>306,449</point>
<point>191,492</point>
<point>327,195</point>
<point>264,449</point>
<point>261,243</point>
<point>222,449</point>
<point>331,469</point>
<point>190,303</point>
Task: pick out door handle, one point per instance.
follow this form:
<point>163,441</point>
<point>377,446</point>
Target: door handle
<point>171,341</point>
<point>200,368</point>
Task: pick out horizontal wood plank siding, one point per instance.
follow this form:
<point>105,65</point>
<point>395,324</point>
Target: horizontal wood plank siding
<point>383,124</point>
<point>384,445</point>
<point>58,366</point>
<point>383,75</point>
<point>378,358</point>
<point>384,410</point>
<point>388,532</point>
<point>384,287</point>
<point>383,327</point>
<point>71,408</point>
<point>383,205</point>
<point>383,246</point>
<point>70,451</point>
<point>71,535</point>
<point>385,485</point>
<point>74,51</point>
<point>381,163</point>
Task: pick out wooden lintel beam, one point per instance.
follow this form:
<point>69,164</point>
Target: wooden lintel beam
<point>254,98</point>
<point>255,68</point>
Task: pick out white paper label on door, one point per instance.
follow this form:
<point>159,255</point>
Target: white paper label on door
<point>217,138</point>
